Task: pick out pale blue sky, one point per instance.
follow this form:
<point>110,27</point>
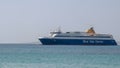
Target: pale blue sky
<point>23,21</point>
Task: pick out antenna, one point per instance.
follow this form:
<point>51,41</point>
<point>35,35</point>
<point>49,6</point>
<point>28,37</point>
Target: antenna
<point>59,29</point>
<point>91,26</point>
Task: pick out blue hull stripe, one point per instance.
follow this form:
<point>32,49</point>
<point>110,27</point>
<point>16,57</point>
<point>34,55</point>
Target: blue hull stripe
<point>51,41</point>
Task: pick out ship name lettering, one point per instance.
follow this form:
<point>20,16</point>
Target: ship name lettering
<point>99,41</point>
<point>85,41</point>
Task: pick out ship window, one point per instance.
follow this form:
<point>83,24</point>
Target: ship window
<point>67,32</point>
<point>76,32</point>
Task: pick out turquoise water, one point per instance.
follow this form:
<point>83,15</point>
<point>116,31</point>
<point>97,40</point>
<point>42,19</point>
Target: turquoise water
<point>40,56</point>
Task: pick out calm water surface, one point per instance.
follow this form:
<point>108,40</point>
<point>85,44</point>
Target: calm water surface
<point>54,56</point>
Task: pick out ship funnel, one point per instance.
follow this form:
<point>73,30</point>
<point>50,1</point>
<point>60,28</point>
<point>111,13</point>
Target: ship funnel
<point>91,31</point>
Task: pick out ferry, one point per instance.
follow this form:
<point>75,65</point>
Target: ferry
<point>78,38</point>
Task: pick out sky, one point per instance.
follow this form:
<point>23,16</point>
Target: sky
<point>23,21</point>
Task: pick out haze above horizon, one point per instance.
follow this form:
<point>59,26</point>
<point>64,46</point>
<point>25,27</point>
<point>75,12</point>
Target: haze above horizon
<point>23,21</point>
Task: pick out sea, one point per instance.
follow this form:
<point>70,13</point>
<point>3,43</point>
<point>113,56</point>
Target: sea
<point>58,56</point>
